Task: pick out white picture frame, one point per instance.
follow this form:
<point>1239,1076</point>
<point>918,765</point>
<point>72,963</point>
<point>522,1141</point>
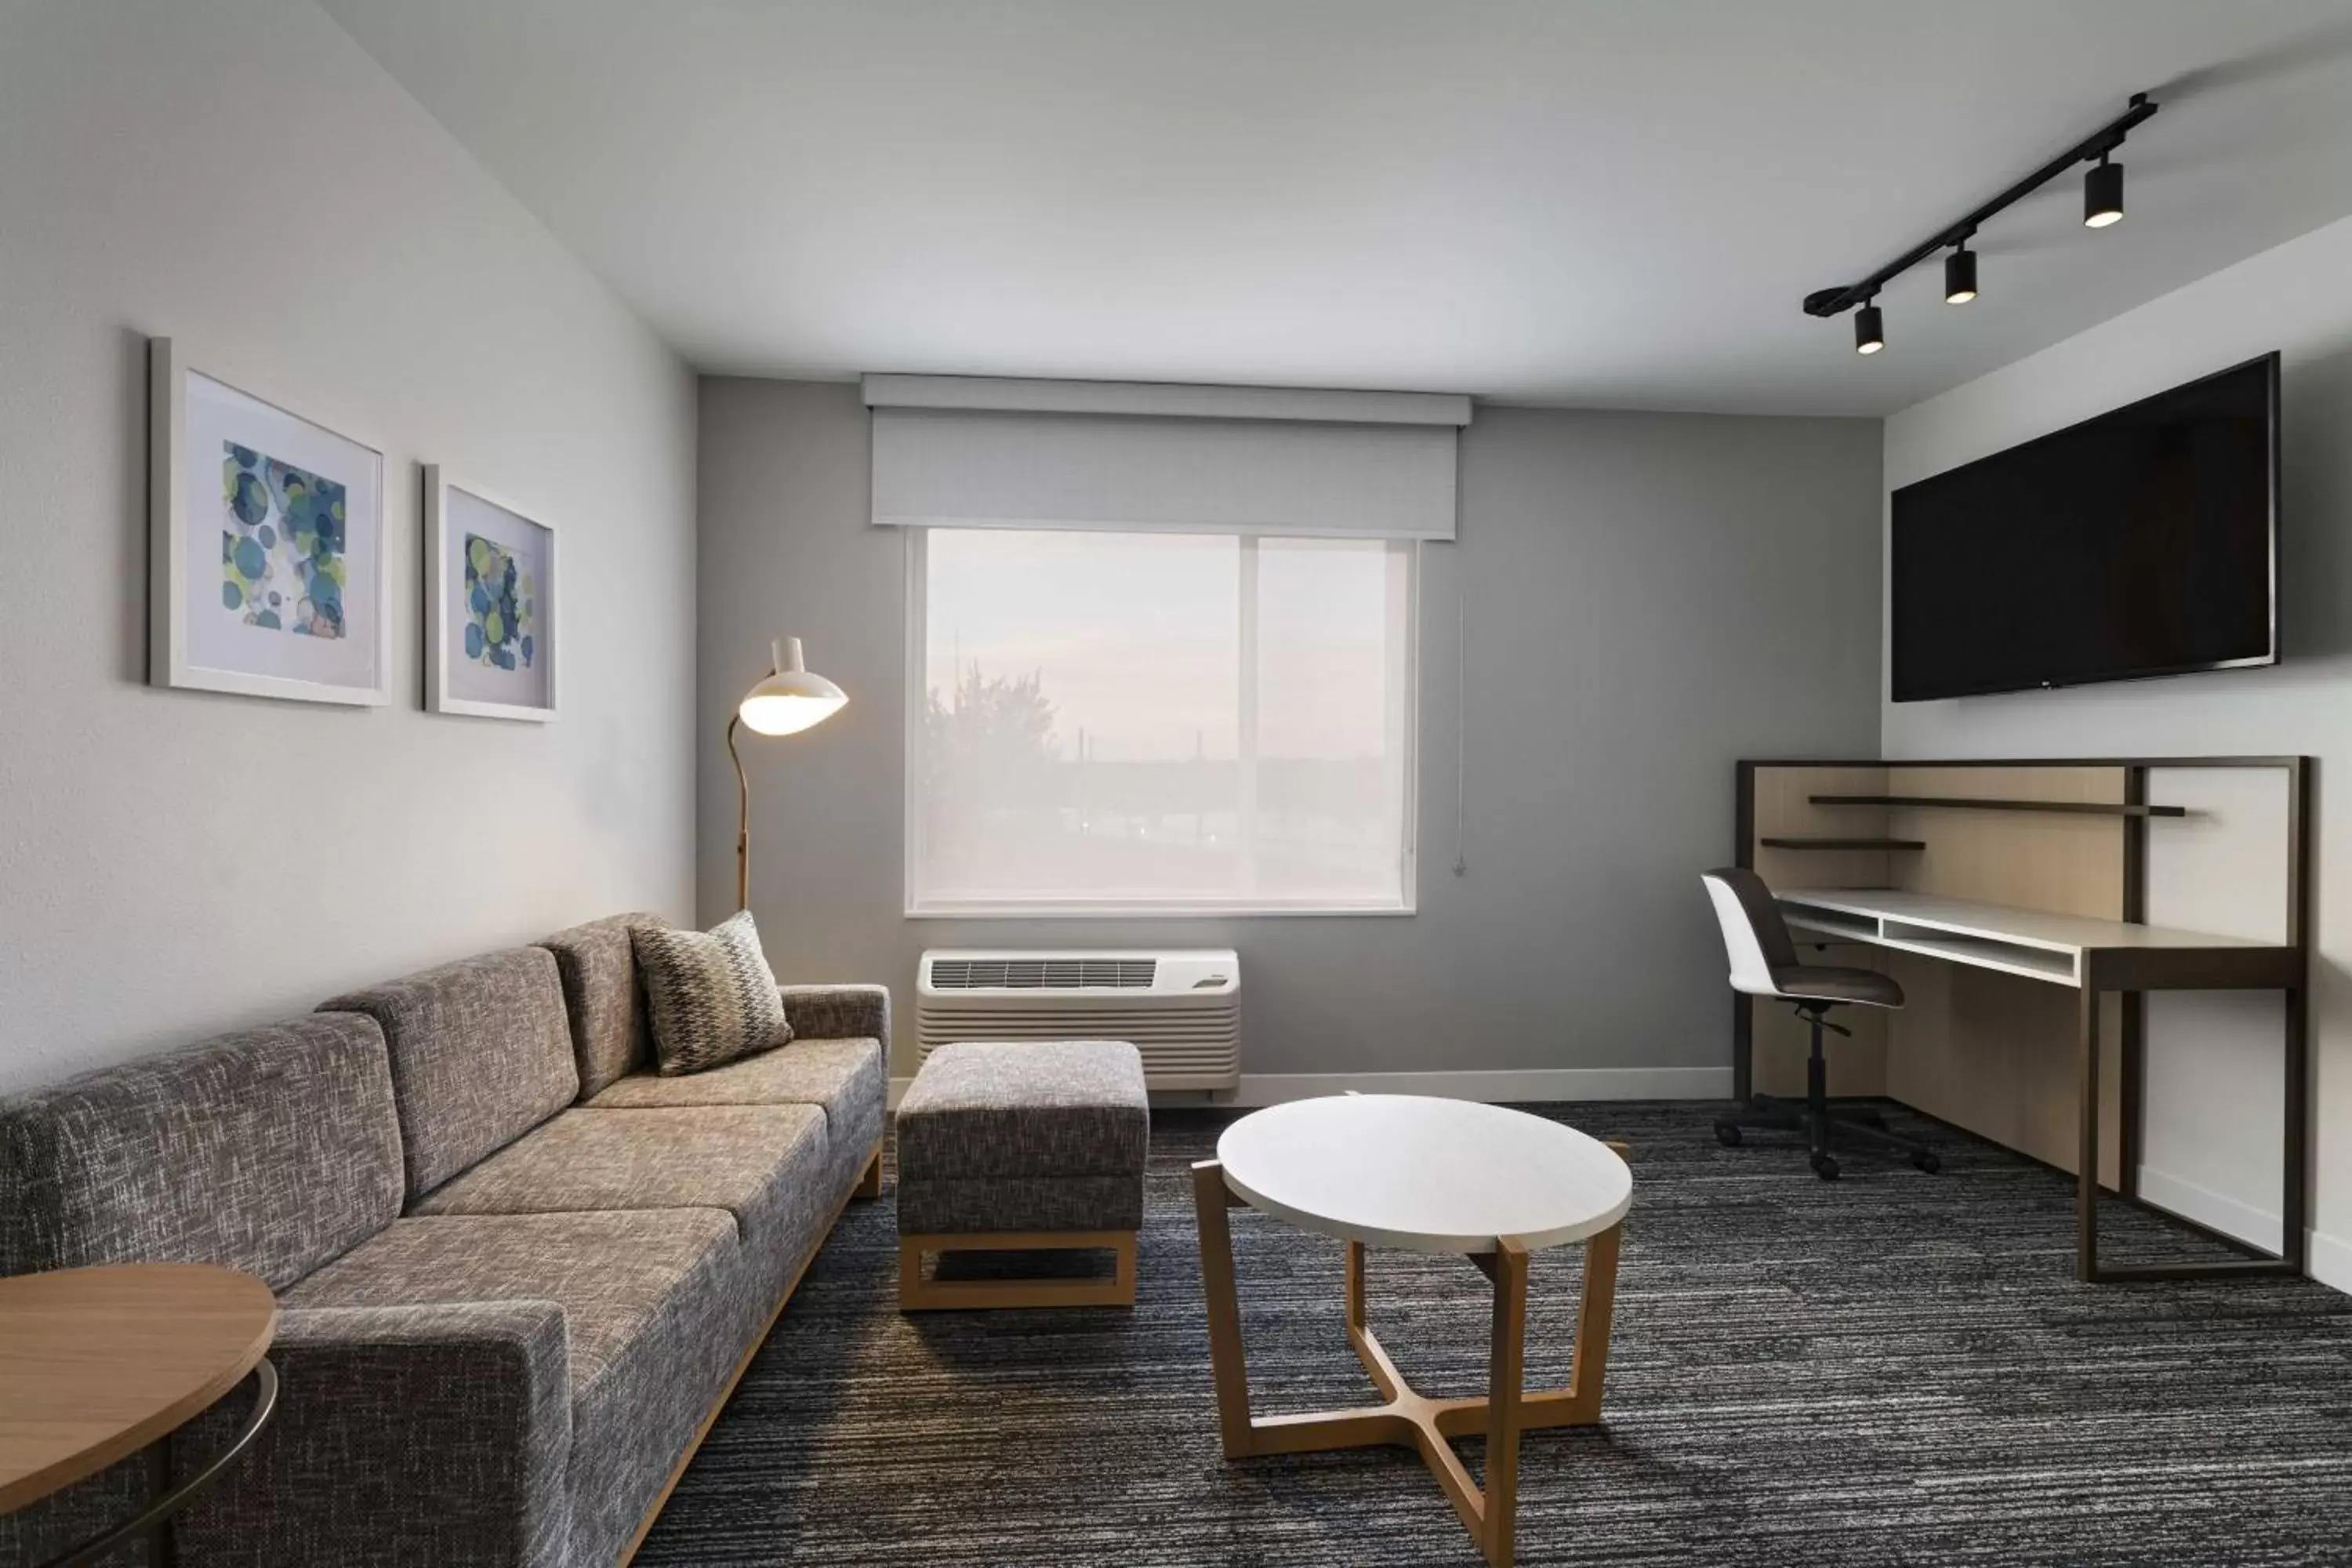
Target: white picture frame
<point>248,499</point>
<point>485,662</point>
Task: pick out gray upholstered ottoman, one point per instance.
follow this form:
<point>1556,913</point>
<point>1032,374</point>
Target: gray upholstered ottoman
<point>1022,1146</point>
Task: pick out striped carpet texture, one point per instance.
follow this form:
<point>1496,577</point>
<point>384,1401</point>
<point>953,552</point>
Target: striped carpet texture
<point>1893,1368</point>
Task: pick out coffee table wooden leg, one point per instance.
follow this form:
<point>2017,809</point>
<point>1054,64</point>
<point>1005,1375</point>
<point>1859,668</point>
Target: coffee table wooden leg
<point>1506,1375</point>
<point>1210,1201</point>
<point>1594,1317</point>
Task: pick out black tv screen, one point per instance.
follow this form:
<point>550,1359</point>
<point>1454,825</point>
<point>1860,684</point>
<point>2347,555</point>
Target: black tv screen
<point>2144,542</point>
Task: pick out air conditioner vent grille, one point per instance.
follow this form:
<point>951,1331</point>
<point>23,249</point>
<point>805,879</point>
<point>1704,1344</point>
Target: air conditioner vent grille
<point>1181,1008</point>
<point>1043,973</point>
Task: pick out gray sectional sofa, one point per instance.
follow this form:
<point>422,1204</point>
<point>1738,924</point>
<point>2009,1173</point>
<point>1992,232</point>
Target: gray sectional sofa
<point>516,1270</point>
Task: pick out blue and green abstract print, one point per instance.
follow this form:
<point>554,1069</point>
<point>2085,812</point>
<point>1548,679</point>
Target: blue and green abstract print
<point>282,540</point>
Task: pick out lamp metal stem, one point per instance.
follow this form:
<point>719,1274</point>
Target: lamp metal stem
<point>742,821</point>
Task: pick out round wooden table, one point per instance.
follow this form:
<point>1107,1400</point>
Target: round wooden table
<point>1424,1176</point>
<point>99,1363</point>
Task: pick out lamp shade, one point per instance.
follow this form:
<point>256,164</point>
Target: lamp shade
<point>790,698</point>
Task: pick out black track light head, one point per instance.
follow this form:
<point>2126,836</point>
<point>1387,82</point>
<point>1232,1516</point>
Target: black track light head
<point>1869,331</point>
<point>2103,195</point>
<point>2103,204</point>
<point>1960,276</point>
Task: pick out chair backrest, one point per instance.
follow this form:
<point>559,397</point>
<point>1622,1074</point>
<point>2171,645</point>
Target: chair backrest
<point>1754,934</point>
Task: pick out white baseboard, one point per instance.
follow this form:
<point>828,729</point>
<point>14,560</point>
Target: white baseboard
<point>2191,1200</point>
<point>2326,1259</point>
<point>1494,1087</point>
<point>1497,1088</point>
<point>2329,1261</point>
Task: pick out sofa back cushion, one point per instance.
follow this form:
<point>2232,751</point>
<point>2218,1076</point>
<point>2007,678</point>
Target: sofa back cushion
<point>480,1054</point>
<point>275,1151</point>
<point>609,1036</point>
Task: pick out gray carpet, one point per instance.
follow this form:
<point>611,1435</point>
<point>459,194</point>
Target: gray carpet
<point>1891,1368</point>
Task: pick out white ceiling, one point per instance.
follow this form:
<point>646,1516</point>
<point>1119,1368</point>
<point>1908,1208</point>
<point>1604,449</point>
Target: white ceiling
<point>1596,201</point>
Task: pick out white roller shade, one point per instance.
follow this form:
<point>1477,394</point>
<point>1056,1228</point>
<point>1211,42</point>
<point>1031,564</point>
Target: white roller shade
<point>1171,459</point>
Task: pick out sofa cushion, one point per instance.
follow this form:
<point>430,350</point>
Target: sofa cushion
<point>710,995</point>
<point>606,1007</point>
<point>658,1308</point>
<point>765,1164</point>
<point>273,1151</point>
<point>844,1077</point>
<point>481,1051</point>
<point>613,1273</point>
<point>1050,1107</point>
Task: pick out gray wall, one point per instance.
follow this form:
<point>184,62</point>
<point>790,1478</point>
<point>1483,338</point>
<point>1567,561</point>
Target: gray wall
<point>237,174</point>
<point>2292,299</point>
<point>1649,597</point>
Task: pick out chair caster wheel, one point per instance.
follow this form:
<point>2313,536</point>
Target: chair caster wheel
<point>1928,1162</point>
<point>1726,1134</point>
<point>1825,1168</point>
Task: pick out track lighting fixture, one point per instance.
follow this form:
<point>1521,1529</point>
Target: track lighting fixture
<point>2103,204</point>
<point>1960,276</point>
<point>2103,195</point>
<point>1869,331</point>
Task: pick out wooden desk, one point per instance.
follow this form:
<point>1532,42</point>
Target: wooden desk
<point>2091,956</point>
<point>98,1363</point>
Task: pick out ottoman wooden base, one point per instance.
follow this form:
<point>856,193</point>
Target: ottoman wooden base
<point>916,1294</point>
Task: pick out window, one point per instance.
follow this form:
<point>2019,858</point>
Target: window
<point>1137,723</point>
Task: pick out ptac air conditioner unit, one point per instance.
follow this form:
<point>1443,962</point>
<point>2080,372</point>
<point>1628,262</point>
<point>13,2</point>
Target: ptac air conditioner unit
<point>1182,1008</point>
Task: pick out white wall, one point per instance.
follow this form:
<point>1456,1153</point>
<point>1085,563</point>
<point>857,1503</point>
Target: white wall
<point>2296,298</point>
<point>1650,597</point>
<point>237,174</point>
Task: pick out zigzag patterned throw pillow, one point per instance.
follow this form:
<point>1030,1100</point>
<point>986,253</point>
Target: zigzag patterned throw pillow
<point>711,995</point>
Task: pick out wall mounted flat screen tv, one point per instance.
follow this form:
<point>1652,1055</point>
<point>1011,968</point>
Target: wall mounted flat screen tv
<point>2144,542</point>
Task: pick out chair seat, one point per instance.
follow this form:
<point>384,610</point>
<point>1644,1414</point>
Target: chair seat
<point>1824,983</point>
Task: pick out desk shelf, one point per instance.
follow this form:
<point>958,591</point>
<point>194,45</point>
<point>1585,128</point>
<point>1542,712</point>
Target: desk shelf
<point>1969,803</point>
<point>2022,958</point>
<point>1843,843</point>
<point>2028,959</point>
<point>1838,923</point>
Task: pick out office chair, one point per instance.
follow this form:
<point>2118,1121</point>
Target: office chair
<point>1764,963</point>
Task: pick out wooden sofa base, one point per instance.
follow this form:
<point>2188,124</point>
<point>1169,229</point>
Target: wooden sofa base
<point>867,1186</point>
<point>917,1294</point>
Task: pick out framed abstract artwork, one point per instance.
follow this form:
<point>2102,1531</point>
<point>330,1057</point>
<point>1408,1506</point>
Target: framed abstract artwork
<point>489,604</point>
<point>266,544</point>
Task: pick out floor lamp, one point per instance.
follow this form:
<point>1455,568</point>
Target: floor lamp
<point>788,700</point>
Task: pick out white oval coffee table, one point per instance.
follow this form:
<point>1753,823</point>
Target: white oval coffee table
<point>1424,1176</point>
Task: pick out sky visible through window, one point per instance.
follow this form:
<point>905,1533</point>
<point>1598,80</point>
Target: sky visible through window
<point>1158,719</point>
<point>1138,637</point>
